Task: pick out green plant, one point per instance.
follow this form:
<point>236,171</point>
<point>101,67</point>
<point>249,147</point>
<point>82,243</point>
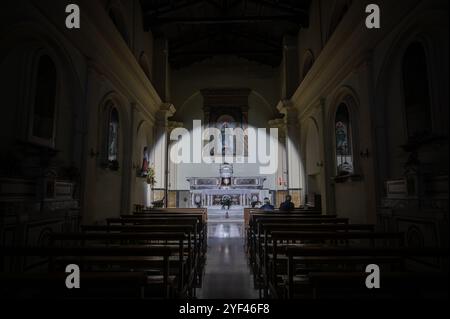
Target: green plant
<point>226,202</point>
<point>151,176</point>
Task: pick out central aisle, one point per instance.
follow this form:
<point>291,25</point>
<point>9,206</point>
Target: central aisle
<point>227,274</point>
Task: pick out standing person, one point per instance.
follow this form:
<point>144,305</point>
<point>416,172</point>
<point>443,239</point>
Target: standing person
<point>287,205</point>
<point>267,206</point>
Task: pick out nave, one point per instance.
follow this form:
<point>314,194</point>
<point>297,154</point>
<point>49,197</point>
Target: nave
<point>107,172</point>
<point>174,253</point>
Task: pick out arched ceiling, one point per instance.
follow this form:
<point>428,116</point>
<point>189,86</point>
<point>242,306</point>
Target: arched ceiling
<point>199,29</point>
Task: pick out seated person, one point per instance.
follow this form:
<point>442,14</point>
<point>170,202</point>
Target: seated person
<point>287,205</point>
<point>267,206</point>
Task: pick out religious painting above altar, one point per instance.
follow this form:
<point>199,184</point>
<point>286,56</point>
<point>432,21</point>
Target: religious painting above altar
<point>226,108</point>
<point>226,101</point>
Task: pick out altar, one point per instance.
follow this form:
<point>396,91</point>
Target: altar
<point>238,191</point>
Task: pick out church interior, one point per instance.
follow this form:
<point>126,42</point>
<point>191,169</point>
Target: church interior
<point>350,190</point>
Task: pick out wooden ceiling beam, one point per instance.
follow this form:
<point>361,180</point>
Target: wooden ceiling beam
<point>280,6</point>
<point>170,8</point>
<point>158,21</point>
<point>181,53</point>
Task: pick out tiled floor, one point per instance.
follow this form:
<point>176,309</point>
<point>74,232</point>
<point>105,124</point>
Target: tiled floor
<point>227,274</point>
<point>226,229</point>
<point>234,214</point>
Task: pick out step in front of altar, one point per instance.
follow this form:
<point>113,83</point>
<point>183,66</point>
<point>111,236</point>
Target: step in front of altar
<point>220,215</point>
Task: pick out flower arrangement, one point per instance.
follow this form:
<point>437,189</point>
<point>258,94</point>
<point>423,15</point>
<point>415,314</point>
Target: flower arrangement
<point>151,176</point>
<point>226,202</point>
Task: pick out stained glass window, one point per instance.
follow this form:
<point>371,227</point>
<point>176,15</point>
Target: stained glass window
<point>344,157</point>
<point>113,136</point>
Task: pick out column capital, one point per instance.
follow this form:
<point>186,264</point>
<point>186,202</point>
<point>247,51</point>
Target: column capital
<point>165,111</point>
<point>174,124</point>
<point>167,108</point>
<point>277,123</point>
<point>280,124</point>
<point>286,107</point>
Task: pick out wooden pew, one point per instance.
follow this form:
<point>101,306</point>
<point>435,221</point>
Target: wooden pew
<point>202,220</point>
<point>275,267</point>
<point>175,211</point>
<point>142,209</point>
<point>196,220</point>
<point>249,211</point>
<point>396,285</point>
<point>200,213</point>
<point>200,232</point>
<point>255,219</point>
<point>253,242</point>
<point>197,213</point>
<point>196,259</point>
<point>98,279</point>
<point>265,230</point>
<point>51,285</point>
<point>183,269</point>
<point>189,230</point>
<point>352,284</point>
<point>254,230</point>
<point>174,216</point>
<point>290,218</point>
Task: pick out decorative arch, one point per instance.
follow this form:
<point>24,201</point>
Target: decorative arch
<point>307,63</point>
<point>44,239</point>
<point>416,90</point>
<point>114,125</point>
<point>113,135</point>
<point>343,129</point>
<point>45,90</point>
<point>23,45</point>
<point>422,30</point>
<point>414,237</point>
<point>145,65</point>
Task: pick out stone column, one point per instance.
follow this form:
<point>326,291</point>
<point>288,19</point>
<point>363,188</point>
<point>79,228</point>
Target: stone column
<point>281,174</point>
<point>92,149</point>
<point>289,67</point>
<point>160,155</point>
<point>129,172</point>
<point>161,68</point>
<point>172,168</point>
<point>295,165</point>
<point>327,154</point>
<point>371,165</point>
